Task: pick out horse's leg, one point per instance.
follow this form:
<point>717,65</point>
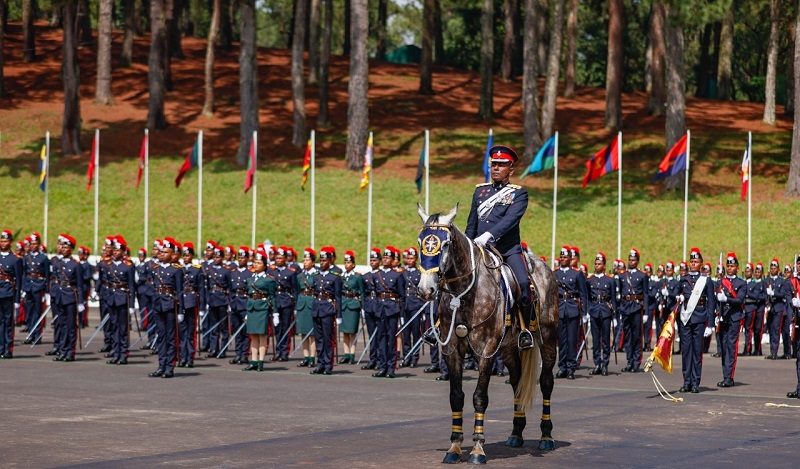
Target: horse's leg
<point>511,359</point>
<point>455,363</point>
<point>480,401</point>
<point>548,349</point>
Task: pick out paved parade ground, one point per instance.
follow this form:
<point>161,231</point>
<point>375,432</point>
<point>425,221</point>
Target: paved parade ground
<point>90,414</point>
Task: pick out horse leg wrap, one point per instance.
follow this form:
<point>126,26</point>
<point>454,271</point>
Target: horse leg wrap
<point>546,442</point>
<point>453,455</point>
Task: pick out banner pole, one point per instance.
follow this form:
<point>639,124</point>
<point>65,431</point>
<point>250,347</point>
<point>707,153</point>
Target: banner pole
<point>255,186</point>
<point>46,180</point>
<point>369,198</point>
<point>199,188</point>
<point>427,169</point>
<point>96,176</point>
<point>555,200</point>
<point>313,184</point>
<point>749,194</point>
<point>686,193</point>
<point>619,196</point>
<point>146,185</point>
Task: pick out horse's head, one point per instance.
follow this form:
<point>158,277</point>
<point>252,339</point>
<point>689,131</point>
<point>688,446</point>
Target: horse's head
<point>434,243</point>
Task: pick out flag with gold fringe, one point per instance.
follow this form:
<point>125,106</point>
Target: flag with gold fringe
<point>367,165</point>
<point>662,354</point>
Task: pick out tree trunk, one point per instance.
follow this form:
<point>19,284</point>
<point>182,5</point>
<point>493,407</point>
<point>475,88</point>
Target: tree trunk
<point>506,66</point>
<point>141,18</point>
<point>189,19</point>
<point>313,42</point>
<point>248,78</point>
<point>348,21</point>
<point>70,75</point>
<point>85,24</point>
<point>156,119</point>
<point>225,26</point>
<point>358,103</point>
<point>167,57</point>
<point>129,9</point>
<point>3,23</point>
<point>530,75</point>
<point>174,29</point>
<point>383,16</point>
<point>788,109</point>
<point>614,78</point>
<point>28,42</point>
<point>553,70</point>
<point>438,34</point>
<point>485,106</point>
<point>676,90</point>
<point>772,62</point>
<point>299,136</point>
<point>213,32</point>
<point>541,15</point>
<point>658,87</point>
<point>426,62</point>
<point>793,183</point>
<point>724,70</point>
<point>323,119</point>
<point>103,94</point>
<point>572,49</point>
<point>57,20</point>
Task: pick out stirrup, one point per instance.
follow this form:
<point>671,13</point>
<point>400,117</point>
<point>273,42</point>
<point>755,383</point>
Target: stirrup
<point>525,339</point>
<point>429,338</point>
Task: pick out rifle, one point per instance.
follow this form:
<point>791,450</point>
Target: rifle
<point>288,329</point>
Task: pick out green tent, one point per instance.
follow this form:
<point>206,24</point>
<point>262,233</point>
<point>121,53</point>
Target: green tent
<point>408,54</point>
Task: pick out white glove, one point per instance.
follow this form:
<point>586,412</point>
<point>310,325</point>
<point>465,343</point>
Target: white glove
<point>229,309</point>
<point>795,303</point>
<point>245,317</point>
<point>181,317</point>
<point>708,332</point>
<point>202,314</point>
<point>722,297</point>
<point>423,318</point>
<point>47,298</point>
<point>23,295</point>
<point>402,321</point>
<point>136,277</point>
<point>130,312</point>
<point>680,298</point>
<point>716,321</point>
<point>484,238</point>
<point>16,306</point>
<point>770,291</point>
<point>362,314</point>
<point>585,318</point>
<point>96,276</point>
<point>664,291</point>
<point>338,321</point>
<point>206,309</point>
<point>645,318</point>
<point>614,323</point>
<point>81,308</point>
<point>276,320</point>
<point>660,308</point>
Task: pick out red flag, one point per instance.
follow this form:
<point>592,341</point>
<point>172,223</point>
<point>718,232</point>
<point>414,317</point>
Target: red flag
<point>603,162</point>
<point>306,164</point>
<point>675,161</point>
<point>251,167</point>
<point>745,173</point>
<point>191,162</point>
<point>92,163</point>
<point>662,353</point>
<point>142,154</point>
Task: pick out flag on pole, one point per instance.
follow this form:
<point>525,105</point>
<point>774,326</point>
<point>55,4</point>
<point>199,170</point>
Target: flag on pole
<point>745,172</point>
<point>251,167</point>
<point>420,169</point>
<point>306,164</point>
<point>142,154</point>
<point>92,163</point>
<point>662,353</point>
<point>603,162</point>
<point>487,158</point>
<point>367,165</point>
<point>191,162</point>
<point>674,162</point>
<point>544,159</point>
<point>43,168</point>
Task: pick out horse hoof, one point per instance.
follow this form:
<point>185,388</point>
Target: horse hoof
<point>477,459</point>
<point>515,442</point>
<point>547,445</point>
<point>451,458</point>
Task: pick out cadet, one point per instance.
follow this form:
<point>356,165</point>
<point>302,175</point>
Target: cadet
<point>285,299</point>
<point>120,288</point>
<point>305,302</point>
<point>36,267</point>
<point>194,300</point>
<point>10,293</point>
<point>412,304</point>
<point>371,307</point>
<point>602,307</point>
<point>652,310</point>
<point>352,295</point>
<point>389,287</point>
<point>633,304</point>
<point>327,307</point>
<point>240,277</point>
<point>66,288</point>
<point>87,270</point>
<point>219,284</point>
<point>261,296</point>
<point>778,291</point>
<point>697,313</point>
<point>144,296</point>
<point>731,296</point>
<point>754,301</point>
<point>167,299</point>
<point>573,298</point>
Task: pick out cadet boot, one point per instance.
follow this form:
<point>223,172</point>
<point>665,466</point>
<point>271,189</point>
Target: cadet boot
<point>525,339</point>
<point>252,366</point>
<point>260,365</point>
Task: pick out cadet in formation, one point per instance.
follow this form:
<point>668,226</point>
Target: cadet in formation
<point>352,296</point>
<point>261,290</point>
<point>696,314</point>
<point>10,293</point>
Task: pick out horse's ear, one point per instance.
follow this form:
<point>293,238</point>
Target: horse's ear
<point>421,212</point>
<point>448,219</point>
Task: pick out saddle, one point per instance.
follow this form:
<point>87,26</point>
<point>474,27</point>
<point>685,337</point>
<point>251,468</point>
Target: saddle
<point>509,284</point>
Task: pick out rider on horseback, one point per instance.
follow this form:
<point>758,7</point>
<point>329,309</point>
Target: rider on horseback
<point>497,208</point>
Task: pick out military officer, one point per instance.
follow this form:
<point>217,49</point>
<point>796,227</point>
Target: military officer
<point>36,266</point>
<point>731,296</point>
<point>696,317</point>
<point>167,279</point>
<point>778,292</point>
<point>371,308</point>
<point>261,296</point>
<point>10,292</point>
<point>389,288</point>
<point>194,301</point>
<point>304,306</point>
<point>66,290</point>
<point>219,284</point>
<point>101,272</point>
<point>326,309</point>
<point>634,302</point>
<point>352,297</point>
<point>754,300</point>
<point>602,307</point>
<point>120,287</point>
<point>573,299</point>
<point>412,303</point>
<point>240,277</point>
<point>285,300</point>
<point>494,217</point>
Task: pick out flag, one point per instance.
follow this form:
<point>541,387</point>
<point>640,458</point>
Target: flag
<point>43,168</point>
<point>545,158</point>
<point>142,155</point>
<point>662,353</point>
<point>745,173</point>
<point>191,162</point>
<point>487,158</point>
<point>420,169</point>
<point>306,164</point>
<point>674,162</point>
<point>603,162</point>
<point>251,167</point>
<point>92,163</point>
<point>367,165</point>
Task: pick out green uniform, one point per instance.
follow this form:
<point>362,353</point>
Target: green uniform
<point>259,309</point>
<point>305,283</point>
<point>352,295</point>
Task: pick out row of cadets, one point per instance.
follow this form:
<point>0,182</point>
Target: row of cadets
<point>326,308</point>
<point>261,299</point>
<point>167,279</point>
<point>66,290</point>
<point>194,300</point>
<point>370,308</point>
<point>602,307</point>
<point>352,297</point>
<point>285,275</point>
<point>10,293</point>
<point>35,282</point>
<point>303,308</point>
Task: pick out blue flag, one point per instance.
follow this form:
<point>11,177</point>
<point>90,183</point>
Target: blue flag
<point>544,159</point>
<point>486,160</point>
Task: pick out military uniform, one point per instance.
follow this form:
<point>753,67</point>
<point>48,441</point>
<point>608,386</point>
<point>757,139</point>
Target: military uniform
<point>755,299</point>
<point>194,301</point>
<point>778,291</point>
<point>219,284</point>
<point>731,298</point>
<point>240,277</point>
<point>411,303</point>
<point>285,300</point>
<point>120,288</point>
<point>327,307</point>
<point>370,308</point>
<point>305,300</point>
<point>10,294</point>
<point>261,298</point>
<point>36,267</point>
<point>694,323</point>
<point>389,288</point>
<point>634,302</point>
<point>102,273</point>
<point>144,297</point>
<point>66,290</point>
<point>602,307</point>
<point>167,301</point>
<point>573,299</point>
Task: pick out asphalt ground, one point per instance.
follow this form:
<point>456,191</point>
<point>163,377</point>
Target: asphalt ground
<point>91,414</point>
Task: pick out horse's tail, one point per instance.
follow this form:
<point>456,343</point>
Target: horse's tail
<point>529,380</point>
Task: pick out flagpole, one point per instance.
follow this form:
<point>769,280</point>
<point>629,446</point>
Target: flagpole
<point>96,176</point>
<point>427,169</point>
<point>686,192</point>
<point>619,196</point>
<point>369,199</point>
<point>199,188</point>
<point>555,198</point>
<point>749,193</point>
<point>255,186</point>
<point>46,179</point>
<point>146,183</point>
<point>313,182</point>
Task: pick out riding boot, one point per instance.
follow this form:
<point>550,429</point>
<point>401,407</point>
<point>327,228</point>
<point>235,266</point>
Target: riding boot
<point>525,340</point>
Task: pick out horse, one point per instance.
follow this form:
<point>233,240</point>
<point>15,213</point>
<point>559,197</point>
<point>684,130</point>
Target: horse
<point>468,282</point>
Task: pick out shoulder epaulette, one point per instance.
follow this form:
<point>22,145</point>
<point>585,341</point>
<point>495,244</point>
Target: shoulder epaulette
<point>272,267</point>
<point>590,276</point>
<point>196,266</point>
<point>128,263</point>
<point>609,275</point>
<point>336,273</point>
<point>176,265</point>
<point>399,269</point>
<point>515,186</point>
<point>291,269</point>
<point>483,184</point>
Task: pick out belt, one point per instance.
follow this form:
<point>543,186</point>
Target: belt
<point>633,297</point>
<point>35,275</point>
<point>282,289</point>
<point>219,289</point>
<point>750,301</point>
<point>350,295</point>
<point>389,295</point>
<point>307,291</point>
<point>324,296</point>
<point>601,298</point>
<point>258,296</point>
<point>240,291</point>
<point>370,294</point>
<point>165,290</point>
<point>701,302</point>
<point>115,285</point>
<point>8,279</point>
<point>567,296</point>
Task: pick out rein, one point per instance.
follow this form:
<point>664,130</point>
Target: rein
<point>455,302</point>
